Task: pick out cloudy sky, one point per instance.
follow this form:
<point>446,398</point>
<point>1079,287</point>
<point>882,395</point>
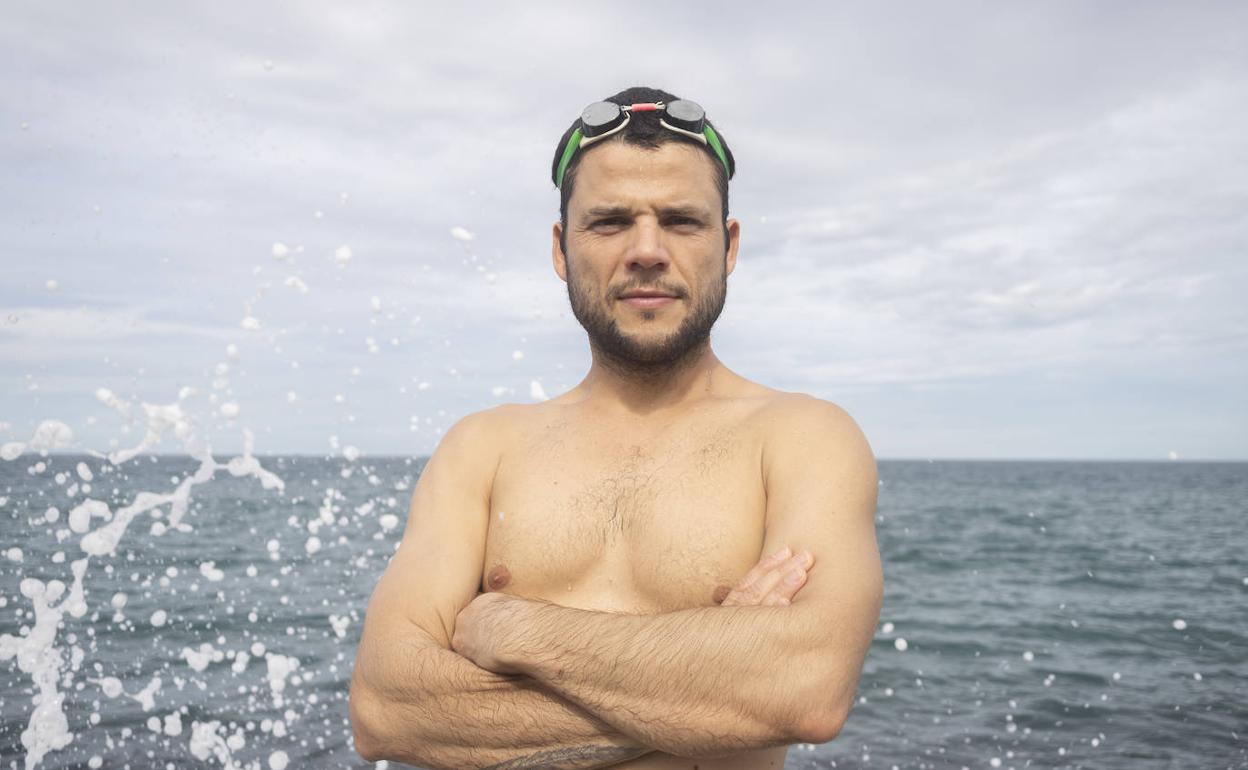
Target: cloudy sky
<point>987,230</point>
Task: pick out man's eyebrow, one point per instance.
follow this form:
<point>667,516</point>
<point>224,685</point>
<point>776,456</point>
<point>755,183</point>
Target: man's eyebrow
<point>691,211</point>
<point>608,211</point>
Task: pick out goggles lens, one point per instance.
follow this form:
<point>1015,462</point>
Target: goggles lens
<point>602,119</point>
<point>685,114</point>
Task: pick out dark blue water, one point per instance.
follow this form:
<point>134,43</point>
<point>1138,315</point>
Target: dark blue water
<point>1038,604</point>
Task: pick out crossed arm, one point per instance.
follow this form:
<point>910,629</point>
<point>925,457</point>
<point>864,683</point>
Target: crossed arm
<point>462,715</point>
<point>499,679</point>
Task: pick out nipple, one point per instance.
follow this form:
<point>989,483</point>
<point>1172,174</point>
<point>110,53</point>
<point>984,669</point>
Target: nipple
<point>720,593</point>
<point>497,578</point>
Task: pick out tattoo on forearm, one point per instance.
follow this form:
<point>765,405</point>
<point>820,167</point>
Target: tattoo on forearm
<point>573,758</point>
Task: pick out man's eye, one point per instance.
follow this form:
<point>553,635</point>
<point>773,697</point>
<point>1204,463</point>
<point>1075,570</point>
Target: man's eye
<point>678,221</point>
<point>611,222</point>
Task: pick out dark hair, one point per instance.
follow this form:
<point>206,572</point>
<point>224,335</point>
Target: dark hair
<point>643,130</point>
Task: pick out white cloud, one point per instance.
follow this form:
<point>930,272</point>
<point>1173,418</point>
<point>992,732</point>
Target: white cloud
<point>1032,194</point>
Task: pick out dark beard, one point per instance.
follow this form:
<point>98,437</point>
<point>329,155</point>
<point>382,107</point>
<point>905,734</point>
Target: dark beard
<point>630,356</point>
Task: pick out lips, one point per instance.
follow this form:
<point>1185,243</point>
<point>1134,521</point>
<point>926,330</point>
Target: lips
<point>648,294</point>
<point>645,299</point>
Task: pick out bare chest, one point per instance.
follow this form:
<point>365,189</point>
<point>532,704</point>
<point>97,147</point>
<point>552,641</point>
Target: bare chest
<point>585,518</point>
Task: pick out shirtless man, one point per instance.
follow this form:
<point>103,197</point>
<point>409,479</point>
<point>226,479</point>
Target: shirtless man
<point>625,575</point>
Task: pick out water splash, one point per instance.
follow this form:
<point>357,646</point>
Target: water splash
<point>37,652</point>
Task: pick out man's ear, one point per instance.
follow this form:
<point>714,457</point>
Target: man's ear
<point>734,240</point>
<point>557,256</point>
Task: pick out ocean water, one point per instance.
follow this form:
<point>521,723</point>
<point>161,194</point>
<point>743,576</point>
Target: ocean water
<point>1036,614</point>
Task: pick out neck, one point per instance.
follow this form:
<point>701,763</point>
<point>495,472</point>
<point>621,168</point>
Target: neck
<point>642,389</point>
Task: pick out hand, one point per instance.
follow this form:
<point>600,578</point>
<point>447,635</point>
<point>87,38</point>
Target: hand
<point>771,583</point>
<point>480,628</point>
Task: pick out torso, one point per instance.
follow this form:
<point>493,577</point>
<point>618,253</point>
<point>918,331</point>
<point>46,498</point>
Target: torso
<point>641,517</point>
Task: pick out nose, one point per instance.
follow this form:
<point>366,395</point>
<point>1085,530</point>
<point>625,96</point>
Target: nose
<point>647,250</point>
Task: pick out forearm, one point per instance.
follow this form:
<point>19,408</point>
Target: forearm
<point>424,705</point>
<point>696,682</point>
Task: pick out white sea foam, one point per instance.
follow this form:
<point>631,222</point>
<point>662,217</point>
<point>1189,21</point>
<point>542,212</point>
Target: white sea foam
<point>110,399</point>
<point>147,696</point>
<point>279,667</point>
<point>53,602</point>
<point>206,742</point>
<point>110,686</point>
<point>161,418</point>
<point>199,659</point>
<point>37,655</point>
<point>80,515</point>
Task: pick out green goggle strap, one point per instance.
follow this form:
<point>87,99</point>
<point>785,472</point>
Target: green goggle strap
<point>574,143</point>
<point>713,141</point>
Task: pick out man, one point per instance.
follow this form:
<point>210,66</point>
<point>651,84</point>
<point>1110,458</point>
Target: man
<point>646,542</point>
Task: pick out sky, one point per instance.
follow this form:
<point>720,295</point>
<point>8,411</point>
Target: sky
<point>987,230</point>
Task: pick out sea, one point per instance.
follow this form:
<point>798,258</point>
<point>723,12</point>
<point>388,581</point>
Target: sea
<point>160,612</point>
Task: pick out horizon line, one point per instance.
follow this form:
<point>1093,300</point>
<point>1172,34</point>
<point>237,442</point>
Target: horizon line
<point>362,456</point>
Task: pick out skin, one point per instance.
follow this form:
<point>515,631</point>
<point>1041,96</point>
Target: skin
<point>625,575</point>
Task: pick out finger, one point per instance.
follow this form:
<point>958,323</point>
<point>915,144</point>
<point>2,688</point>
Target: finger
<point>788,586</point>
<point>764,566</point>
<point>788,569</point>
<point>779,593</point>
<point>796,573</point>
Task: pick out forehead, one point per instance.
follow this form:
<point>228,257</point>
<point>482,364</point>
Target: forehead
<point>618,173</point>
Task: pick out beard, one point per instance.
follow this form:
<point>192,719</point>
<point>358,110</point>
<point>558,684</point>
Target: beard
<point>635,354</point>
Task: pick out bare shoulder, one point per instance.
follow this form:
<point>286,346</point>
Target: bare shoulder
<point>474,443</point>
<point>485,435</point>
<point>799,427</point>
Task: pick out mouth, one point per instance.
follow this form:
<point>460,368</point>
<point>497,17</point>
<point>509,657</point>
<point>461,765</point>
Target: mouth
<point>647,293</point>
<point>647,298</point>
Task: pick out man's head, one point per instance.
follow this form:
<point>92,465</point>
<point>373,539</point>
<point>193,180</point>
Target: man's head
<point>643,130</point>
<point>644,211</point>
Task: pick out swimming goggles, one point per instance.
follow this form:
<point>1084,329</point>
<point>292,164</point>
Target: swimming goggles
<point>602,119</point>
